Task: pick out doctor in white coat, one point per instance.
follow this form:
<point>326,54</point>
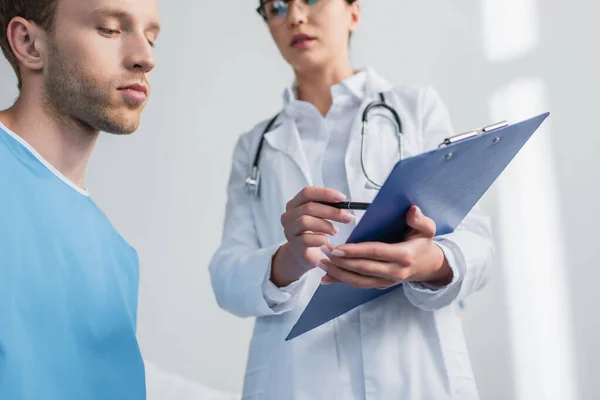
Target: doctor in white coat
<point>280,245</point>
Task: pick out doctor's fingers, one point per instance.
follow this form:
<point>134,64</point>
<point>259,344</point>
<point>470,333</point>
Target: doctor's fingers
<point>328,279</point>
<point>401,253</point>
<point>306,223</point>
<point>390,271</point>
<point>354,279</point>
<point>308,240</point>
<point>316,210</point>
<point>312,193</point>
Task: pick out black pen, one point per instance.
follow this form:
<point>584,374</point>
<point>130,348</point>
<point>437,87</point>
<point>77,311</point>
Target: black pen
<point>347,205</point>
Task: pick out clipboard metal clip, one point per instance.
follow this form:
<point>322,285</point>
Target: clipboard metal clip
<point>470,134</point>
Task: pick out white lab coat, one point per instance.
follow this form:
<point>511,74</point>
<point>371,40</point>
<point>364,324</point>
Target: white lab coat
<point>411,339</point>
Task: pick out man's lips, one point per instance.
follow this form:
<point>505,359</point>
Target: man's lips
<point>135,92</point>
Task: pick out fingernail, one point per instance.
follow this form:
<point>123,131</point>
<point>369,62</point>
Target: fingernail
<point>325,250</point>
<point>324,282</point>
<point>347,217</point>
<point>418,213</point>
<point>336,230</point>
<point>322,266</point>
<point>339,196</point>
<point>338,253</point>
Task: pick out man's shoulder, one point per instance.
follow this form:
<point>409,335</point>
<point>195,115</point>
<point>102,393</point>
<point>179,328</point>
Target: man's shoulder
<point>11,151</point>
<point>8,162</point>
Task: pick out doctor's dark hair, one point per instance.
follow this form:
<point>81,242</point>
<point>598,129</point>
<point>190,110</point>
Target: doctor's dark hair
<point>40,12</point>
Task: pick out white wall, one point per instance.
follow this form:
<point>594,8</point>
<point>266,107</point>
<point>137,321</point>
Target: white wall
<point>219,73</point>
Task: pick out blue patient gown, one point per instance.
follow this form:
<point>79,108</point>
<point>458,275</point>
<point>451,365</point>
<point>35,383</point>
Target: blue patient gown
<point>68,289</point>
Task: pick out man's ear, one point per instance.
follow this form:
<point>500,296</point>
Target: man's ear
<point>28,43</point>
<point>354,15</point>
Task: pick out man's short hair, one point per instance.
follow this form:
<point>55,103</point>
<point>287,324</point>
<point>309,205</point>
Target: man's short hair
<point>41,12</point>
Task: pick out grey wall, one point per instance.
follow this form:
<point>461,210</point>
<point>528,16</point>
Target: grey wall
<point>532,332</point>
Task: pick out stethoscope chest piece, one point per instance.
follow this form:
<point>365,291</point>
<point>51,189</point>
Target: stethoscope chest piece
<point>253,183</point>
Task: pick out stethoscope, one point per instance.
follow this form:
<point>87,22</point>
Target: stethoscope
<point>252,185</point>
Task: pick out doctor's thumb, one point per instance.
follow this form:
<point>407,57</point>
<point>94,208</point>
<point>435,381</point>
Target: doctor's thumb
<point>420,224</point>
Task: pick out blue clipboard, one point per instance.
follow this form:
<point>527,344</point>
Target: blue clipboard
<point>445,183</point>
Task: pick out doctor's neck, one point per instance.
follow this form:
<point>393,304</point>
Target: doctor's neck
<point>314,85</point>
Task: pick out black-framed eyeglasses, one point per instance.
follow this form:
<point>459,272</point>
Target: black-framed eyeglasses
<point>279,9</point>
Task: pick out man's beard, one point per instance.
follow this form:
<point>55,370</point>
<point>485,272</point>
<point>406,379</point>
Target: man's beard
<point>74,92</point>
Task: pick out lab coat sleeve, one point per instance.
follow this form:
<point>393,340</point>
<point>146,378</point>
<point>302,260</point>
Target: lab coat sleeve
<point>469,249</point>
<point>283,299</point>
<point>240,268</point>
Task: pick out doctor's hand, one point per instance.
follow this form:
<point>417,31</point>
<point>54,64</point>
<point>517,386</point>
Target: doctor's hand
<point>307,227</point>
<point>381,265</point>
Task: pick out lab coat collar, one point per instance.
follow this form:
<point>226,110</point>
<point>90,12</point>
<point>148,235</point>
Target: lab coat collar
<point>284,137</point>
<point>354,86</point>
<point>375,83</point>
<point>364,83</point>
